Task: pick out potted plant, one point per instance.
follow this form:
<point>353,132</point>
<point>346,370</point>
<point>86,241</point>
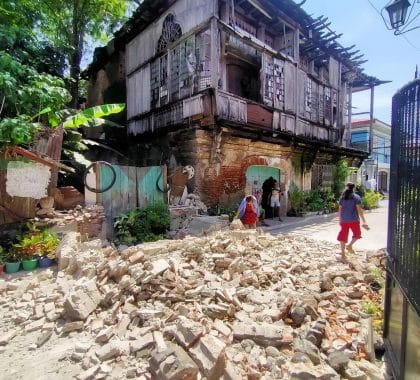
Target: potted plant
<point>12,261</point>
<point>50,243</point>
<point>28,248</point>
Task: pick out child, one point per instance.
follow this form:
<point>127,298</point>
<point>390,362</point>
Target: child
<point>248,211</point>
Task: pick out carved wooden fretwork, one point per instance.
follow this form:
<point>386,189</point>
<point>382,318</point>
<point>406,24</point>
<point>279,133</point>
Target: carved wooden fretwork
<point>171,31</point>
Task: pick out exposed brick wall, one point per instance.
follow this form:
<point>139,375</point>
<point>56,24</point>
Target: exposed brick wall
<point>224,182</point>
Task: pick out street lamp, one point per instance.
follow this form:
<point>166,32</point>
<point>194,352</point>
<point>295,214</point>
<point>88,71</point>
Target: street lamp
<point>397,11</point>
<point>401,16</point>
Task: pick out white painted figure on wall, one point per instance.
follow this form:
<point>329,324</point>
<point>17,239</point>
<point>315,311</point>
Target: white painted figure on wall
<point>178,183</point>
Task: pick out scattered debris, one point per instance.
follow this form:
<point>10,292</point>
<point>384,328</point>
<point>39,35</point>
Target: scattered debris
<point>234,304</point>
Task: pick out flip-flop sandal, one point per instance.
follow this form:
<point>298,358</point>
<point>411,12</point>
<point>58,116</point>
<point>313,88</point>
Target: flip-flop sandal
<point>351,250</point>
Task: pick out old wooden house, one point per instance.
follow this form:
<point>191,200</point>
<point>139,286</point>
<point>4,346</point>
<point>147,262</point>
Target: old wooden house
<point>237,90</point>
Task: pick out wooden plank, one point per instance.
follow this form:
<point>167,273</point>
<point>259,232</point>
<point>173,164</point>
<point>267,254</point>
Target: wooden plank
<point>132,188</point>
<point>138,92</point>
<point>192,106</point>
<point>141,195</point>
<point>334,72</point>
<point>289,86</point>
<point>124,189</point>
<point>302,92</point>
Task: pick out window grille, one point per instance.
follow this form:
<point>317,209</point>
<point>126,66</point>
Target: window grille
<point>322,176</point>
<point>171,31</point>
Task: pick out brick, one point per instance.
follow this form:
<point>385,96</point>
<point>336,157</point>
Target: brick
<point>209,354</point>
<point>82,301</point>
<point>188,332</point>
<point>6,338</point>
<point>122,326</point>
<point>221,327</point>
<point>142,342</point>
<point>112,349</point>
<point>136,257</point>
<point>173,364</point>
<point>72,326</point>
<point>264,334</point>
<point>105,335</point>
<point>88,374</point>
<point>35,326</point>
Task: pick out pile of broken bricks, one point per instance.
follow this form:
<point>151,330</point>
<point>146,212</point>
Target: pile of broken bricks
<point>236,304</point>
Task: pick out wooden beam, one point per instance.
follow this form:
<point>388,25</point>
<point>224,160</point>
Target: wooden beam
<point>43,160</point>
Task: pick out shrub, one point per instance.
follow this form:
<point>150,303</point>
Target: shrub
<point>371,200</point>
<point>340,174</point>
<point>143,224</point>
<point>297,200</point>
<point>314,200</point>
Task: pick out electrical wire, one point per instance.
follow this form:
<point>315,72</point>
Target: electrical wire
<point>410,43</point>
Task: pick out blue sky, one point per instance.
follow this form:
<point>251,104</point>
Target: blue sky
<point>389,57</point>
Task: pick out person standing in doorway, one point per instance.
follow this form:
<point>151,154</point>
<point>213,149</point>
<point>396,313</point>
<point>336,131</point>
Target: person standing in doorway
<point>275,200</point>
<point>349,214</point>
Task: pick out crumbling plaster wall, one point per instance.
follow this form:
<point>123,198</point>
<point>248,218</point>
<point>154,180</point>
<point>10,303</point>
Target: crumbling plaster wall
<point>223,180</point>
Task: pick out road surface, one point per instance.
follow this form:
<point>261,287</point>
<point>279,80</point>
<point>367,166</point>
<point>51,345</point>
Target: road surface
<point>325,227</point>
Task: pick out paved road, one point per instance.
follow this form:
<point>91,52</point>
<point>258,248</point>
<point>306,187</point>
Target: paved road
<point>325,227</point>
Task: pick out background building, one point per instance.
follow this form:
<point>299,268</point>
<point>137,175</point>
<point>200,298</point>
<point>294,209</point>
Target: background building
<point>374,172</point>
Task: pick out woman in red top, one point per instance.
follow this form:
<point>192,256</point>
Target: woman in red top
<point>248,212</point>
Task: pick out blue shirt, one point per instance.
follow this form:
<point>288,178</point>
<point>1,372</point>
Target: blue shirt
<point>348,208</point>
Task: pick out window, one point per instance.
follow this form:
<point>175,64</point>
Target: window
<point>171,31</point>
<point>181,71</point>
<point>308,95</point>
<point>274,81</point>
<point>361,136</point>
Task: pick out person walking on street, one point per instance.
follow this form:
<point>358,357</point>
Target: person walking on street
<point>349,214</point>
<point>248,211</point>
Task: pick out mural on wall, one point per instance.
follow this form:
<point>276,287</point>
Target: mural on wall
<point>178,184</point>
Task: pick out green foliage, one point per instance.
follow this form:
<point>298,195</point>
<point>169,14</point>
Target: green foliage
<point>92,115</point>
<point>314,200</point>
<point>36,243</point>
<point>371,200</point>
<point>377,275</point>
<point>297,199</point>
<point>320,200</point>
<point>370,307</point>
<point>340,174</point>
<point>3,255</point>
<point>26,91</point>
<point>143,224</point>
<point>18,130</point>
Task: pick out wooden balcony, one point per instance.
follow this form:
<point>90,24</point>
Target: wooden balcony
<point>243,111</point>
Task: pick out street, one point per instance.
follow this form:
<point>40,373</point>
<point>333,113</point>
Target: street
<point>325,227</point>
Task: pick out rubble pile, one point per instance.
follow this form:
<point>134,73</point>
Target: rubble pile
<point>85,220</point>
<point>235,304</point>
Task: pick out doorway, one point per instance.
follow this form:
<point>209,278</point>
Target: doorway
<point>257,174</point>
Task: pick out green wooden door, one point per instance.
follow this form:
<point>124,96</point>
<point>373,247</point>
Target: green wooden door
<point>257,174</point>
<point>133,187</point>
